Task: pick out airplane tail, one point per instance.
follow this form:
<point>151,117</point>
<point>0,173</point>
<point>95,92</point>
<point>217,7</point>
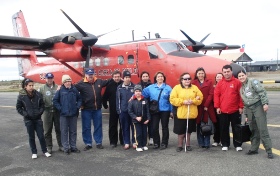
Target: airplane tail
<point>20,30</point>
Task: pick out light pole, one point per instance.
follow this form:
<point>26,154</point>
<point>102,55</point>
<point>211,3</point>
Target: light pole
<point>277,60</point>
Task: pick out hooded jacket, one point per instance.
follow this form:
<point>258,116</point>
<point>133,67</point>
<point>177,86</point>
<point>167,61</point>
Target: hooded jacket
<point>31,107</point>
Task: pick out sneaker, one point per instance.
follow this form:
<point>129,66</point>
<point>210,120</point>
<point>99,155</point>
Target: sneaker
<point>99,146</point>
<point>151,141</point>
<point>126,146</point>
<point>250,152</point>
<point>225,149</point>
<point>134,145</point>
<point>47,154</point>
<point>215,144</point>
<point>75,150</point>
<point>87,147</point>
<point>270,156</point>
<point>139,149</point>
<point>34,156</point>
<point>145,148</point>
<point>238,149</point>
<point>156,146</point>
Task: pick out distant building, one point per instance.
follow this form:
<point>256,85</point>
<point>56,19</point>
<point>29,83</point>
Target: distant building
<point>259,66</point>
<point>240,57</point>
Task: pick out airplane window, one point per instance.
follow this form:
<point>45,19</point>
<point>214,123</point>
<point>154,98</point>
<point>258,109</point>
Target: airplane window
<point>91,62</point>
<point>153,52</point>
<point>76,64</point>
<point>106,61</point>
<point>168,47</point>
<point>97,62</point>
<point>130,59</point>
<point>120,60</point>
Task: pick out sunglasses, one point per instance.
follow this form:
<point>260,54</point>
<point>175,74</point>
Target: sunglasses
<point>187,79</point>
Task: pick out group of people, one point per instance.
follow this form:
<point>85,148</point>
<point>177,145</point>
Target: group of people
<point>139,109</point>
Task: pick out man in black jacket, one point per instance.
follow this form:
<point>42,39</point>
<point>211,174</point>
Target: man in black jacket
<point>90,89</point>
<point>110,95</point>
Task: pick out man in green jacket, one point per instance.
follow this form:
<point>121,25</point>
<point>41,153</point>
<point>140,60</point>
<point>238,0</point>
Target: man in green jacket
<point>51,114</point>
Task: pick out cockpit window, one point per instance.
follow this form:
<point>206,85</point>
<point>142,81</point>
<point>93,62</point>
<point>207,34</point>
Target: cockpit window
<point>153,52</point>
<point>169,47</point>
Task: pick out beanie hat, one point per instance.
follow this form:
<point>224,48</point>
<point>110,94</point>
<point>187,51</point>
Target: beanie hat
<point>137,87</point>
<point>126,73</point>
<point>66,78</point>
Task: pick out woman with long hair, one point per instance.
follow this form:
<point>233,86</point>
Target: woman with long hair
<point>31,106</point>
<point>206,110</point>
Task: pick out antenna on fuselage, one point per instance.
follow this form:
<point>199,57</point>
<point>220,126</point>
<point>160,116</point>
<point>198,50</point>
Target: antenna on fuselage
<point>149,35</point>
<point>132,35</point>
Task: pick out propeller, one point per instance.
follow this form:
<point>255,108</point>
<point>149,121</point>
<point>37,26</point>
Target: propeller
<point>190,39</point>
<point>87,40</point>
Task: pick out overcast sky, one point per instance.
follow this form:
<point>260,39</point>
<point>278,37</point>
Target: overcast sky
<point>253,23</point>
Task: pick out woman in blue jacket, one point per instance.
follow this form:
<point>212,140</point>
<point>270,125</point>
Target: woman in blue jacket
<point>68,101</point>
<point>160,91</point>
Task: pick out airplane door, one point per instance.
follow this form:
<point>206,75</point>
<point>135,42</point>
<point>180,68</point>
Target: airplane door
<point>151,59</point>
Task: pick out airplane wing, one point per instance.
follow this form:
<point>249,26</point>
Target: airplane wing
<point>219,46</point>
<point>24,43</point>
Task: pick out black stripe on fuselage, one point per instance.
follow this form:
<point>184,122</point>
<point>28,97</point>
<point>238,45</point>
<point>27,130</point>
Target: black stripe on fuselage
<point>186,54</point>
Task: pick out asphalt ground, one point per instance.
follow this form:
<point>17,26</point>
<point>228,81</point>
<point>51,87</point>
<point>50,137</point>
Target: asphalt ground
<point>15,155</point>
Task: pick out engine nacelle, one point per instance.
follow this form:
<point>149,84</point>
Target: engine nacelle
<point>68,52</point>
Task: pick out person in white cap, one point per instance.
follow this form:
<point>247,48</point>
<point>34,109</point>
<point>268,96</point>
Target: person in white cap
<point>68,101</point>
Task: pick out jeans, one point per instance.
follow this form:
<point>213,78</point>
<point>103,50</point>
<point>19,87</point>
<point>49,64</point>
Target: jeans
<point>68,126</point>
<point>202,140</point>
<point>96,117</point>
<point>32,126</point>
<point>126,125</point>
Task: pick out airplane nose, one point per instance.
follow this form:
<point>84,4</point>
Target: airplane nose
<point>236,68</point>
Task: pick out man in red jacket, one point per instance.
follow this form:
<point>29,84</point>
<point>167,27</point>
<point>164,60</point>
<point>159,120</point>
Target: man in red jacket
<point>229,104</point>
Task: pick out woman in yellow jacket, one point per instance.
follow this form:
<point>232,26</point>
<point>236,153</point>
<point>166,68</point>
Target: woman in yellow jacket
<point>183,95</point>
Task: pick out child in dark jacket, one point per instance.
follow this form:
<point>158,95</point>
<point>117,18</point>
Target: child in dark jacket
<point>138,109</point>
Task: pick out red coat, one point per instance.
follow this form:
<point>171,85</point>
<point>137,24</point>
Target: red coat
<point>227,96</point>
<point>207,90</point>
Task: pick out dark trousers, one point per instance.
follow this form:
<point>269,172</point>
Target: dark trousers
<point>225,120</point>
<point>217,136</point>
<point>50,119</point>
<point>162,116</point>
<point>33,126</point>
<point>114,135</point>
<point>126,125</point>
<point>150,129</point>
<point>68,126</point>
<point>140,134</point>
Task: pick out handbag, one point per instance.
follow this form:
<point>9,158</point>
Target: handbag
<point>154,105</point>
<point>206,129</point>
<point>242,133</point>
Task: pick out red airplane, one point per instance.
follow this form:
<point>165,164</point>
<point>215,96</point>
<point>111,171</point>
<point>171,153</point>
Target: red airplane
<point>71,53</point>
<point>196,46</point>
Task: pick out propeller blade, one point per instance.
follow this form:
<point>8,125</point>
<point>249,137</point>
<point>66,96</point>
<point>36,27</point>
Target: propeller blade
<point>88,57</point>
<point>204,38</point>
<point>190,39</point>
<point>107,33</point>
<point>77,27</point>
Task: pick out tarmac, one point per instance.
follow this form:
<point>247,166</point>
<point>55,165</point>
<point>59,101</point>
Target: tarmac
<point>15,155</point>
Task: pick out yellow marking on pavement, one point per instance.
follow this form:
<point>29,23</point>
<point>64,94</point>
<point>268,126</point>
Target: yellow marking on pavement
<point>275,151</point>
<point>7,107</point>
<point>270,125</point>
